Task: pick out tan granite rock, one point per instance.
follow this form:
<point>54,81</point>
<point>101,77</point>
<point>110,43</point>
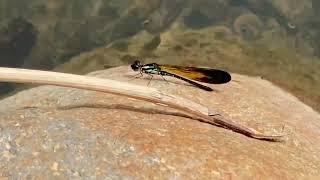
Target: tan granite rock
<point>58,132</point>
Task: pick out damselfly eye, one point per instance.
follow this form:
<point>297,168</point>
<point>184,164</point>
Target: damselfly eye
<point>136,65</point>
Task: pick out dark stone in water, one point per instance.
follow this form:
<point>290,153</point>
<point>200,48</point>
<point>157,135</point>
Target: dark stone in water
<point>197,20</point>
<point>161,19</point>
<point>153,44</point>
<point>16,42</point>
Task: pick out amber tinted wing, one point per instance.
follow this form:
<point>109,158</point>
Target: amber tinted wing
<point>206,75</point>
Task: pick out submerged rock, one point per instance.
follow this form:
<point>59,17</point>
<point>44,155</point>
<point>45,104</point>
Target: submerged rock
<point>295,11</point>
<point>204,13</point>
<point>248,26</point>
<point>153,43</point>
<point>16,42</point>
<point>165,15</point>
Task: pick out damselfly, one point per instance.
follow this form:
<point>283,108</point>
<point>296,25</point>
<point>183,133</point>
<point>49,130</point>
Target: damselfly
<point>187,74</point>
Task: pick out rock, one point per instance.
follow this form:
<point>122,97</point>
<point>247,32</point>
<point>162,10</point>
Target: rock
<point>248,26</point>
<point>92,61</point>
<point>66,133</point>
<point>148,5</point>
<point>153,44</point>
<point>196,19</point>
<point>127,26</point>
<point>63,24</point>
<point>161,19</point>
<point>120,45</point>
<point>222,33</point>
<point>204,13</point>
<point>16,43</point>
<point>294,11</point>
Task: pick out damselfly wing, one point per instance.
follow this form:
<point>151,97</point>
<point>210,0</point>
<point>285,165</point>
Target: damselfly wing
<point>206,75</point>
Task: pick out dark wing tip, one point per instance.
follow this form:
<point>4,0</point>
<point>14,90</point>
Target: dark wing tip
<point>215,76</point>
<point>224,77</point>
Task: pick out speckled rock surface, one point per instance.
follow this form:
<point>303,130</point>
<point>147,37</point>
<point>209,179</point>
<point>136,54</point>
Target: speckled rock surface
<point>61,133</point>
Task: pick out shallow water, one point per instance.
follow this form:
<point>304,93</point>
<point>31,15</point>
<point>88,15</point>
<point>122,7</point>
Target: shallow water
<point>278,40</point>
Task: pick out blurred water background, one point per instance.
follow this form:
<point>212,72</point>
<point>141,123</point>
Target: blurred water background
<point>278,40</point>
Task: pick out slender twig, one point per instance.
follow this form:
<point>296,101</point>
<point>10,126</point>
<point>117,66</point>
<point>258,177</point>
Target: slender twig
<point>129,90</point>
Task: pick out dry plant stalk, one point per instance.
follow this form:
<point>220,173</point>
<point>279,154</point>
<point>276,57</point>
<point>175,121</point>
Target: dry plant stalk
<point>193,109</point>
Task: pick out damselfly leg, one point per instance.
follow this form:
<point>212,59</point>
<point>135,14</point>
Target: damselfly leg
<point>139,75</point>
<point>151,77</point>
<point>164,79</point>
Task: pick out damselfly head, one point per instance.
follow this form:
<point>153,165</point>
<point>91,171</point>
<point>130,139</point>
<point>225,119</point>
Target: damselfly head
<point>136,65</point>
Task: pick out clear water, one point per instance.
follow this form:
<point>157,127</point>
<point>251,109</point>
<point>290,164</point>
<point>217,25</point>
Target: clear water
<point>276,39</point>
